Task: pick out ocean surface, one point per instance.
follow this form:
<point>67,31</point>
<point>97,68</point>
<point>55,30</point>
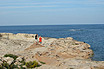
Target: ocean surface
<point>92,34</point>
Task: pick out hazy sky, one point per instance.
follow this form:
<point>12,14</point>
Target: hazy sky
<point>50,12</point>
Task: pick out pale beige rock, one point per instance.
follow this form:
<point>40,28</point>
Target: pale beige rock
<point>8,60</point>
<point>62,53</point>
<point>24,66</point>
<point>1,62</point>
<point>48,67</point>
<point>19,59</point>
<point>19,36</point>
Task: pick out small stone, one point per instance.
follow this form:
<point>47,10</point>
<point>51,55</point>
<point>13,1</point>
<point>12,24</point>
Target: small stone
<point>19,59</point>
<point>70,38</point>
<point>24,66</point>
<point>1,62</point>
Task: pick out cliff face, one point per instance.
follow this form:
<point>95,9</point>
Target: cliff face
<point>19,36</point>
<point>69,48</point>
<point>62,53</point>
<point>14,43</point>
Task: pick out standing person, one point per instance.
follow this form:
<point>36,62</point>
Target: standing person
<point>36,38</point>
<point>40,39</point>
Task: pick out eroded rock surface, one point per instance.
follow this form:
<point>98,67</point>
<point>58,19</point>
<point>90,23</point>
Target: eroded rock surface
<point>62,53</point>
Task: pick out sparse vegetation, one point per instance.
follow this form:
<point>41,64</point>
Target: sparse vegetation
<point>32,64</point>
<point>76,44</point>
<point>23,61</point>
<point>5,65</point>
<point>42,62</point>
<point>71,68</point>
<point>11,55</point>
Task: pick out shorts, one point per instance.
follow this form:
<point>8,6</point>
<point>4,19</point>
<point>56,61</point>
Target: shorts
<point>40,42</point>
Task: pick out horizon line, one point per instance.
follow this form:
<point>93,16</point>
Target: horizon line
<point>49,24</point>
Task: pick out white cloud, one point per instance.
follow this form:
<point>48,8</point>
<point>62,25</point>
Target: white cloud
<point>27,6</point>
<point>59,2</point>
<point>51,4</point>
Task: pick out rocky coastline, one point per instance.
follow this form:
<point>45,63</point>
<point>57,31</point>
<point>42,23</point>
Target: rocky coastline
<point>61,53</point>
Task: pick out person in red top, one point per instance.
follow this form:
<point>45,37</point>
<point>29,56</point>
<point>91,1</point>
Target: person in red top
<point>40,39</point>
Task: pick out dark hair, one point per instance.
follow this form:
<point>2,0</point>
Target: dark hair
<point>36,36</point>
<point>0,35</point>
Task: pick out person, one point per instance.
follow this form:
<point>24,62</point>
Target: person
<point>36,38</point>
<point>40,39</point>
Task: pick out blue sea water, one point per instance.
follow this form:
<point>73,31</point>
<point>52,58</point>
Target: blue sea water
<point>92,34</point>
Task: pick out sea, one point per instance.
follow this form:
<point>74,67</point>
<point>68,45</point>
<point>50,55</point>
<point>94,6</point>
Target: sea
<point>92,34</point>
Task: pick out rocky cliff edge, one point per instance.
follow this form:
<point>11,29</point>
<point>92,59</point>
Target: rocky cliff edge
<point>62,53</point>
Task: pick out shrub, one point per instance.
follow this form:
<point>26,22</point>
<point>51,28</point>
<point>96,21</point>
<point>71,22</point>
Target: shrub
<point>12,66</point>
<point>23,61</point>
<point>21,67</point>
<point>31,64</point>
<point>42,62</point>
<point>7,66</point>
<point>1,67</point>
<point>11,55</point>
<point>71,68</point>
<point>76,44</point>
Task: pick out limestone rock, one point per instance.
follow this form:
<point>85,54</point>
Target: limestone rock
<point>19,59</point>
<point>1,62</point>
<point>61,53</point>
<point>20,36</point>
<point>8,60</point>
<point>24,66</point>
<point>70,48</point>
<point>47,67</point>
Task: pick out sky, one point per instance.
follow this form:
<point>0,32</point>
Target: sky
<point>51,12</point>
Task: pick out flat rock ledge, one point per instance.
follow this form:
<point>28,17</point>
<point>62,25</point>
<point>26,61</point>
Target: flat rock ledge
<point>62,53</point>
